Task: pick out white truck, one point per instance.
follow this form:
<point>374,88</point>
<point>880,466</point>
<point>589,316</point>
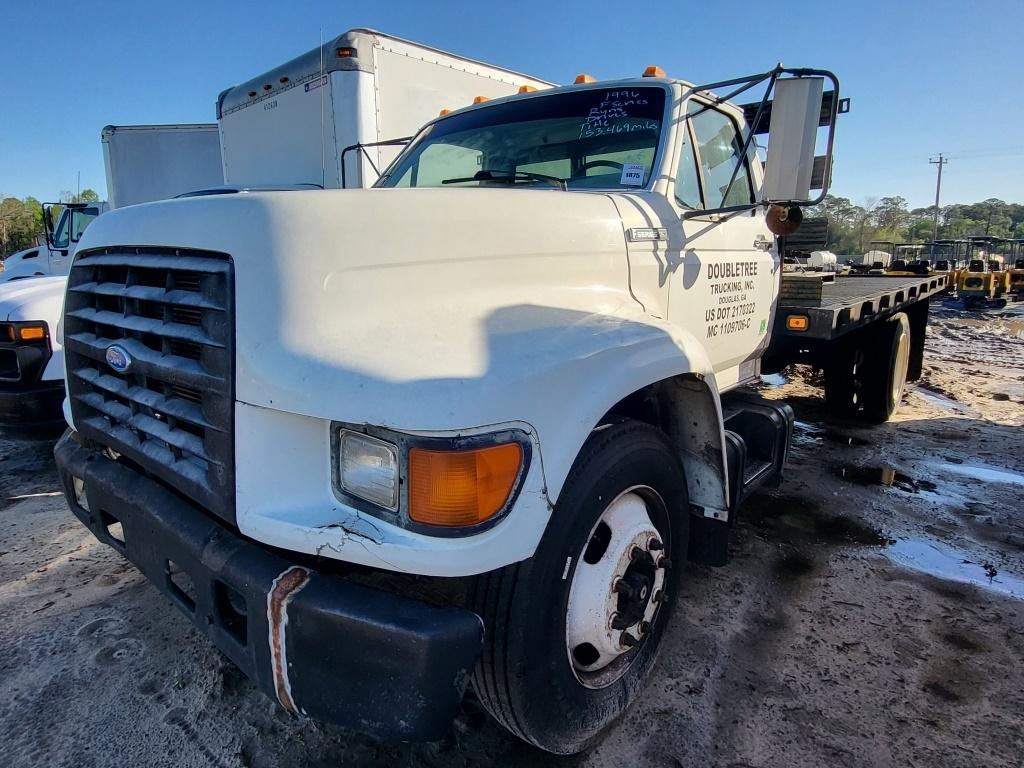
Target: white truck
<point>336,115</point>
<point>143,163</point>
<point>467,440</point>
<point>55,256</point>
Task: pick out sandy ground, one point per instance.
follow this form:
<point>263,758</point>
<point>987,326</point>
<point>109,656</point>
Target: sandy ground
<point>872,614</point>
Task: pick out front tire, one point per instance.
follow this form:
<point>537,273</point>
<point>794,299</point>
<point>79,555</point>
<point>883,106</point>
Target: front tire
<point>586,586</point>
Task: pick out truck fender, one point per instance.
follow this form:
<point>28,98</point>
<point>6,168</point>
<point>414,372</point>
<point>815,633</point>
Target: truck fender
<point>675,370</point>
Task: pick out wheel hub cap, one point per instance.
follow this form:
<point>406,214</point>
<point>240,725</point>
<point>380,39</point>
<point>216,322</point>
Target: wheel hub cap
<point>616,589</point>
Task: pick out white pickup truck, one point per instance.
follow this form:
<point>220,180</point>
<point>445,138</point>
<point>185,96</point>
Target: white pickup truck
<point>378,444</point>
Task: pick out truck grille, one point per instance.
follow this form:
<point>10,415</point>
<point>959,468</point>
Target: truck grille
<point>170,411</point>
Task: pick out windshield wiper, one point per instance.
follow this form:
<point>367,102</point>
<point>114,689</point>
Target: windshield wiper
<point>509,177</point>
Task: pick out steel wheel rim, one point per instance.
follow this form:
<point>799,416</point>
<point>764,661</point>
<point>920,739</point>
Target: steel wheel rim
<point>618,585</point>
<point>899,377</point>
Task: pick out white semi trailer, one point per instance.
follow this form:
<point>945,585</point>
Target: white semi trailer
<point>143,163</point>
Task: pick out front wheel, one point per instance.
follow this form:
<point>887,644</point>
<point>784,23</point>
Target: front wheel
<point>571,633</point>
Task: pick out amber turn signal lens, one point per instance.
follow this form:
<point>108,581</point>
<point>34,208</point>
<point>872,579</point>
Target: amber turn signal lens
<point>583,77</point>
<point>461,488</point>
<point>797,322</point>
<point>32,333</point>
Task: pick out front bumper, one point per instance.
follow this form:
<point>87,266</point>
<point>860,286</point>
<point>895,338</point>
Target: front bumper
<point>35,410</point>
<point>320,645</point>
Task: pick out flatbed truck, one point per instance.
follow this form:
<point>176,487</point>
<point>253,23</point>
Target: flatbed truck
<point>463,427</point>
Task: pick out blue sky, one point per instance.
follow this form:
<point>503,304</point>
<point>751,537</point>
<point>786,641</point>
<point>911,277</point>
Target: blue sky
<point>924,76</point>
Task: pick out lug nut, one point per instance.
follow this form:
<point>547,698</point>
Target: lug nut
<point>624,589</point>
<point>655,546</point>
<point>618,622</point>
<point>645,627</point>
<point>637,554</point>
<point>664,562</point>
<point>627,640</point>
<point>659,596</point>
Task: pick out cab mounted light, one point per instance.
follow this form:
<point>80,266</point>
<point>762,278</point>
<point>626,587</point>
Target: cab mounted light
<point>527,88</point>
<point>345,53</point>
<point>443,112</point>
<point>653,71</point>
<point>462,488</point>
<point>481,99</point>
<point>583,77</point>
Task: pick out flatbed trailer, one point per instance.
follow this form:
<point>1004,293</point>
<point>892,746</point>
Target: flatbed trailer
<point>846,330</point>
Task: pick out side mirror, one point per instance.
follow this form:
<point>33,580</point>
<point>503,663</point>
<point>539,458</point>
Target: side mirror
<point>48,224</point>
<point>792,136</point>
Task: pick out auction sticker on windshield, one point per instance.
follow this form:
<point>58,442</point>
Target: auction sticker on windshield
<point>632,175</point>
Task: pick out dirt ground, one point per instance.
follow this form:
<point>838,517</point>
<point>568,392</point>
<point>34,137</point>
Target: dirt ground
<point>871,615</point>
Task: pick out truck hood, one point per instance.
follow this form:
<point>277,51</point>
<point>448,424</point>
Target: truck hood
<point>414,309</point>
<point>27,263</point>
<point>33,299</point>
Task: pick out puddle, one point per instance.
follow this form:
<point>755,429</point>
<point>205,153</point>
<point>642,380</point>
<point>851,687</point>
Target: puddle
<point>774,379</point>
<point>795,519</point>
<point>887,477</point>
<point>804,433</point>
<point>947,403</point>
<point>948,564</point>
<point>987,474</point>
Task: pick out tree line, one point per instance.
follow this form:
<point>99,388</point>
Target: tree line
<point>21,220</point>
<point>851,227</point>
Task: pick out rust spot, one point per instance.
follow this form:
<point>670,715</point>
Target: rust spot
<point>285,586</point>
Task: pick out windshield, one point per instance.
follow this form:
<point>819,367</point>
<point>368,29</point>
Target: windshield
<point>591,139</point>
<point>80,219</point>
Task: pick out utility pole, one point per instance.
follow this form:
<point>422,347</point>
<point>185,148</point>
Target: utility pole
<point>941,161</point>
<point>78,197</point>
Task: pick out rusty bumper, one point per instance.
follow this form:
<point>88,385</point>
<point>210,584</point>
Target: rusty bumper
<point>321,646</point>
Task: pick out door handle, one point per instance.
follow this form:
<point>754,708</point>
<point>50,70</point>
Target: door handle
<point>762,243</point>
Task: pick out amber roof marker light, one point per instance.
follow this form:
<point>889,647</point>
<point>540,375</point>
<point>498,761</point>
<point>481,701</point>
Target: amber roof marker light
<point>653,71</point>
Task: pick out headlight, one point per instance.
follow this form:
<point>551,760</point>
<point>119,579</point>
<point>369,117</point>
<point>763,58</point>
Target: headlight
<point>368,468</point>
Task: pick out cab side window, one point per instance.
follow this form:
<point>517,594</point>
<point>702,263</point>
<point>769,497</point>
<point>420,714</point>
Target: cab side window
<point>687,178</point>
<point>720,148</point>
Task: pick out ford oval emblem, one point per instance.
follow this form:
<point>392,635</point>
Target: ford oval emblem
<point>118,358</point>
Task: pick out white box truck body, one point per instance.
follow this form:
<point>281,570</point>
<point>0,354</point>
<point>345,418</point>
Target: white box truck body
<point>291,125</point>
<point>155,162</point>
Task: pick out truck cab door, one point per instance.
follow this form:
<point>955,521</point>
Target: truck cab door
<point>77,221</point>
<point>725,289</point>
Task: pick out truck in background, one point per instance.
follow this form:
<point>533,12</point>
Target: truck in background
<point>336,115</point>
<point>155,162</point>
<point>143,163</point>
<point>61,238</point>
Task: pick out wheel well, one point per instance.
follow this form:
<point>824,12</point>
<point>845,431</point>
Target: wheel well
<point>687,409</point>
